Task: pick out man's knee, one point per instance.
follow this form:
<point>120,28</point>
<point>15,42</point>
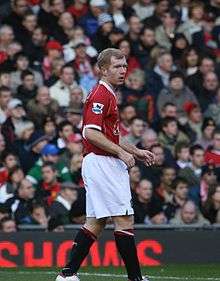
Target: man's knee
<point>123,222</point>
<point>95,225</point>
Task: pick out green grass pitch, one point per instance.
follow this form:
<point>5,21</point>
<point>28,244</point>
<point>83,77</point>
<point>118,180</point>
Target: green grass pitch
<point>164,273</point>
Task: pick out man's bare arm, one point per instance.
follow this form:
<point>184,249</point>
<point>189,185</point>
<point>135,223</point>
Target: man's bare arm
<point>98,139</point>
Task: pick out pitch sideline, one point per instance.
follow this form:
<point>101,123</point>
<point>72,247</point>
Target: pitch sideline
<point>119,275</point>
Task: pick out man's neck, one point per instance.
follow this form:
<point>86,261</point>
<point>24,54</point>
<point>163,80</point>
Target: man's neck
<point>109,84</point>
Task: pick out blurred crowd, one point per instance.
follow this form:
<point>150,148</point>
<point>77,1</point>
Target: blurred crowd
<point>169,104</point>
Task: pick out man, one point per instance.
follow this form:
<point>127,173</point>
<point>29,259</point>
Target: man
<point>192,173</point>
<point>5,96</point>
<point>60,91</point>
<point>136,131</point>
<point>106,156</point>
<point>8,225</point>
<point>20,204</point>
<point>212,154</point>
<point>61,207</point>
<point>50,153</point>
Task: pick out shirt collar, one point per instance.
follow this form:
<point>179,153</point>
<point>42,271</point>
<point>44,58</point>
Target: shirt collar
<point>101,82</point>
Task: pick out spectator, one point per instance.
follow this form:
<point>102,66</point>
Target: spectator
<point>212,205</point>
<point>199,194</point>
<point>60,91</point>
<point>147,44</point>
<point>62,205</point>
<point>66,26</point>
<point>76,168</point>
<point>144,202</point>
<point>39,215</point>
<point>89,21</point>
<point>20,204</point>
<point>22,64</point>
<point>41,106</point>
<point>170,135</point>
<point>65,129</point>
<point>78,9</point>
<point>209,90</point>
<point>28,89</point>
<point>8,225</point>
<point>135,177</point>
<point>159,77</point>
<point>4,212</point>
<point>177,93</point>
<point>55,224</point>
<point>49,186</point>
<point>165,33</point>
<point>134,29</point>
<point>13,122</point>
<point>164,190</point>
<point>194,24</point>
<point>180,195</point>
<point>144,8</point>
<point>5,96</point>
<point>213,110</point>
<point>212,155</point>
<point>189,215</point>
<point>179,45</point>
<point>190,62</point>
<point>127,112</point>
<point>193,173</point>
<point>195,81</point>
<point>182,155</point>
<point>160,8</point>
<point>207,129</point>
<point>136,131</point>
<point>49,154</point>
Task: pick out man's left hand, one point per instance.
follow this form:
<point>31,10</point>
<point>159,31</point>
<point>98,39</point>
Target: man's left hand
<point>145,156</point>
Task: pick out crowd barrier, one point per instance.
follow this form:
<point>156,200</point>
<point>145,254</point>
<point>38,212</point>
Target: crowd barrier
<point>156,246</point>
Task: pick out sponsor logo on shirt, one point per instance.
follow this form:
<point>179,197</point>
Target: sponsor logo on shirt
<point>97,108</point>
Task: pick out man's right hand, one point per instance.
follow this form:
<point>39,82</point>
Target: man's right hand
<point>127,158</point>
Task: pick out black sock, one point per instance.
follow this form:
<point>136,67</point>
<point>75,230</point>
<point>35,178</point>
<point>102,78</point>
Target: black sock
<point>82,243</point>
<point>126,246</point>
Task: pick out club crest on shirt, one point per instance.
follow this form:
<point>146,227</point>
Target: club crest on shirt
<point>97,107</point>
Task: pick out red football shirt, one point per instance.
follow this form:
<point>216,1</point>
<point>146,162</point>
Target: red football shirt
<point>101,113</point>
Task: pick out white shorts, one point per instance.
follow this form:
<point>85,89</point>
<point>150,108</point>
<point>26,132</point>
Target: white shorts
<point>107,186</point>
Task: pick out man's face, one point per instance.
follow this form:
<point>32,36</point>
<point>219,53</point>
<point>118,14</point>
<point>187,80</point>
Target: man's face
<point>166,63</point>
<point>216,141</point>
<point>29,82</point>
<point>148,38</point>
<point>171,128</point>
<point>66,20</point>
<point>207,66</point>
<point>168,176</point>
<point>159,155</point>
<point>184,154</point>
<point>21,7</point>
<point>198,158</point>
<point>26,191</point>
<point>38,37</point>
<point>76,96</point>
<point>71,194</point>
<point>51,158</point>
<point>169,111</point>
<point>211,81</point>
<point>43,96</point>
<point>67,76</point>
<point>67,131</point>
<point>137,128</point>
<point>5,98</point>
<point>145,190</point>
<point>30,22</point>
<point>7,36</point>
<point>188,214</point>
<point>128,113</point>
<point>181,191</point>
<point>48,174</point>
<point>176,84</point>
<point>17,112</point>
<point>58,7</point>
<point>9,226</point>
<point>116,71</point>
<point>5,79</point>
<point>22,63</point>
<point>135,174</point>
<point>196,115</point>
<point>135,25</point>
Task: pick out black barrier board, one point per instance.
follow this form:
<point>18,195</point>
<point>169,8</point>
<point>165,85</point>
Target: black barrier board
<point>155,247</point>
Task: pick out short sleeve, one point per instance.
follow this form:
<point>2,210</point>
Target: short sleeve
<point>95,111</point>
